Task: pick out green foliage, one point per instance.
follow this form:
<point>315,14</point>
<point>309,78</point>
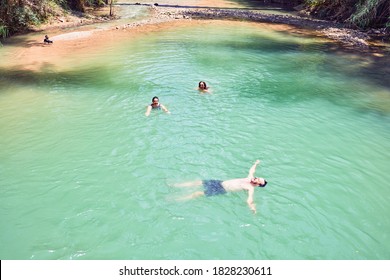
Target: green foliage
<point>369,12</point>
<point>96,3</point>
<point>365,11</point>
<point>312,3</point>
<point>24,16</point>
<point>19,15</point>
<point>3,31</point>
<point>360,13</point>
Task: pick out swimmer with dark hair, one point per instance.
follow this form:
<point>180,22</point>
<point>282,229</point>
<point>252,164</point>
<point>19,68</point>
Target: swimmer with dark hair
<point>202,87</point>
<point>216,187</point>
<point>47,41</point>
<point>155,105</point>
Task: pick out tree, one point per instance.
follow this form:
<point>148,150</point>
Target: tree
<point>111,8</point>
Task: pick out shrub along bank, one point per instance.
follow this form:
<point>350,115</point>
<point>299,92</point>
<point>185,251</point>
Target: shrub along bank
<point>20,15</point>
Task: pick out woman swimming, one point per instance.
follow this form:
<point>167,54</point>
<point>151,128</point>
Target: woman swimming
<point>202,87</point>
<point>155,105</point>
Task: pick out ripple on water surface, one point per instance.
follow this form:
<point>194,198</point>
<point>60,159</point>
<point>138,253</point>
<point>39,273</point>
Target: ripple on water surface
<point>85,175</point>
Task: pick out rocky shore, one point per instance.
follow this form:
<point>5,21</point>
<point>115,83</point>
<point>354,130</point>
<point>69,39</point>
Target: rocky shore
<point>352,38</point>
<point>366,41</point>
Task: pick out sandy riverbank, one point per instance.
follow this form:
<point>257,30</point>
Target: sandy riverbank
<point>33,53</point>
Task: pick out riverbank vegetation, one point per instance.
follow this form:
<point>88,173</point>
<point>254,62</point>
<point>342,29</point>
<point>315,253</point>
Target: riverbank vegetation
<point>20,15</point>
<point>356,13</point>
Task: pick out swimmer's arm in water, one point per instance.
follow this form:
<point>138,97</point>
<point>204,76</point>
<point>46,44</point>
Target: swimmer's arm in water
<point>165,109</point>
<point>251,205</point>
<point>148,109</point>
<point>205,90</point>
<point>252,170</point>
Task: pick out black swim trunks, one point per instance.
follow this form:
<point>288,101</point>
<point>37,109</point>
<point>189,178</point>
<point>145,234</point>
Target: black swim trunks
<point>213,187</point>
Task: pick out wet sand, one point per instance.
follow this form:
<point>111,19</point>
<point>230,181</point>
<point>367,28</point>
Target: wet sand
<point>32,54</point>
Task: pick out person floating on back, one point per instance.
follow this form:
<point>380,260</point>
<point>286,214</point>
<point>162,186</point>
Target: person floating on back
<point>47,41</point>
<point>216,187</point>
<point>155,105</point>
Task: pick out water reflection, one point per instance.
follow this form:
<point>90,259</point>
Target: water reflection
<point>78,150</point>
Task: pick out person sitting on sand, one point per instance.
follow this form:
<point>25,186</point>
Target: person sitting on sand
<point>155,105</point>
<point>202,87</point>
<point>216,187</point>
<point>47,41</point>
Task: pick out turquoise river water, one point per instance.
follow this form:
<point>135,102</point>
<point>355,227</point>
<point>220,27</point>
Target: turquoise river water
<point>84,174</point>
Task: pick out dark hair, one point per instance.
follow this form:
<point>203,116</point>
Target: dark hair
<point>263,185</point>
<point>155,98</point>
<point>205,85</point>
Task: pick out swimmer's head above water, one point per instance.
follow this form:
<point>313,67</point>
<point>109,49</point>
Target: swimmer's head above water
<point>155,101</point>
<point>260,182</point>
<point>202,85</point>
